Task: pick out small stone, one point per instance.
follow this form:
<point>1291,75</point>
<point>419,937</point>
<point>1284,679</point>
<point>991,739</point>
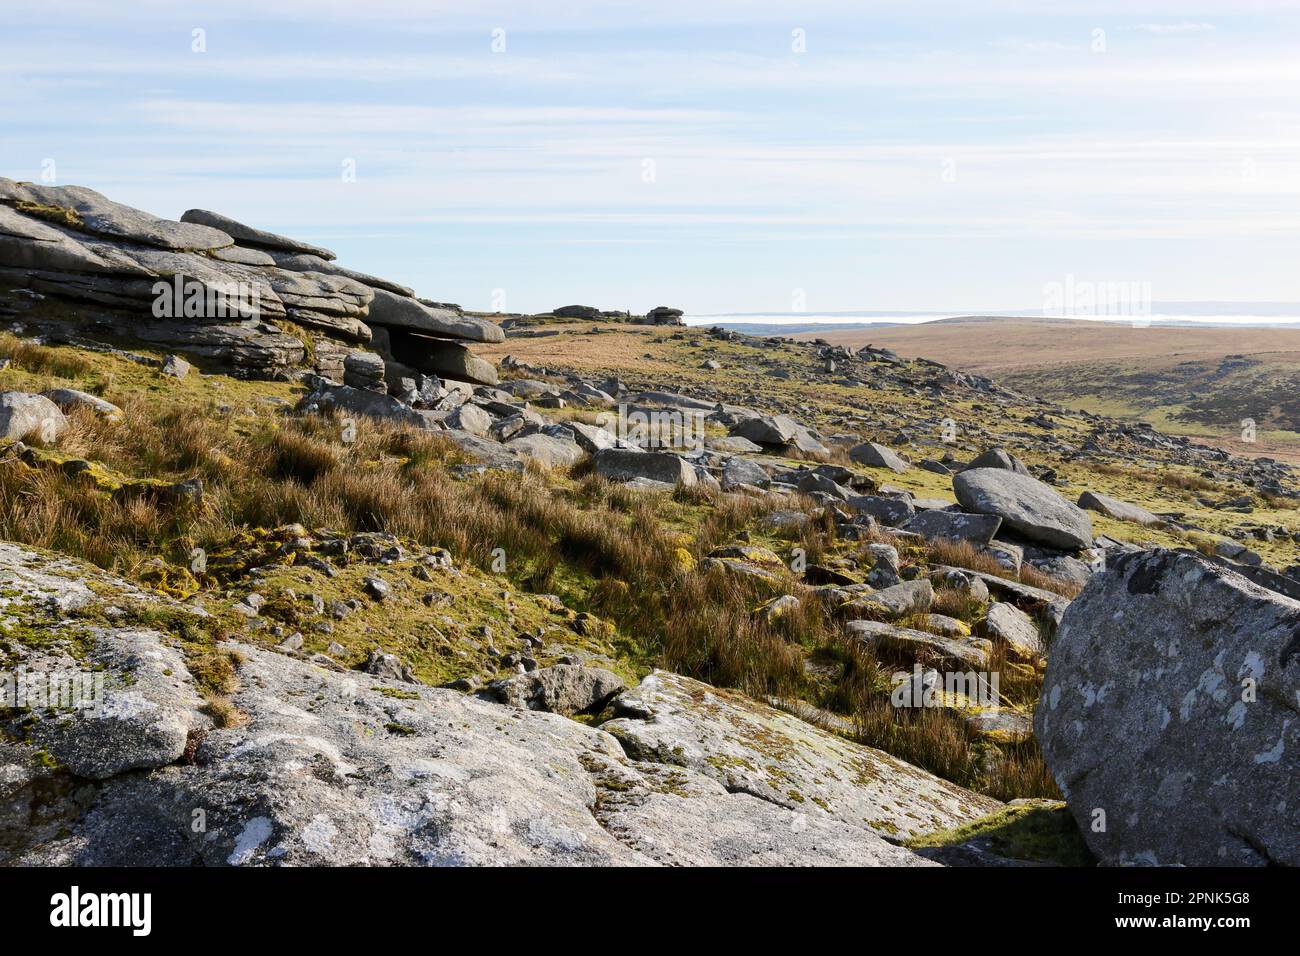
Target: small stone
<point>175,366</point>
<point>292,643</point>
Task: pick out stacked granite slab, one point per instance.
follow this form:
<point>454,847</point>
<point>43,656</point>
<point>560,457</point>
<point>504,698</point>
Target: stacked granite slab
<point>102,261</point>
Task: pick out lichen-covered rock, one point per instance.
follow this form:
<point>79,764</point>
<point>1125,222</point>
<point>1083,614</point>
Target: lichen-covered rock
<point>327,767</point>
<point>715,827</point>
<point>752,748</point>
<point>1007,623</point>
<point>877,456</point>
<point>897,600</point>
<point>88,211</point>
<point>738,471</point>
<point>148,711</point>
<point>28,417</point>
<point>360,401</point>
<point>1169,715</point>
<point>1114,508</point>
<point>566,689</point>
<point>624,464</point>
<point>954,526</point>
<point>888,511</point>
<point>1025,505</point>
<point>767,429</point>
<point>961,651</point>
<point>70,399</point>
<point>547,450</point>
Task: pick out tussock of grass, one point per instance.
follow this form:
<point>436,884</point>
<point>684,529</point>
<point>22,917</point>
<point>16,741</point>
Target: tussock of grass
<point>42,360</point>
<point>1046,582</point>
<point>962,554</point>
<point>955,603</point>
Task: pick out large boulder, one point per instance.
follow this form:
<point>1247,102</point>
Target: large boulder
<point>347,400</point>
<point>28,417</point>
<point>70,399</point>
<point>998,458</point>
<point>470,418</point>
<point>877,456</point>
<point>249,236</point>
<point>1025,505</point>
<point>1114,508</point>
<point>767,429</point>
<point>1169,715</point>
<point>894,601</point>
<point>400,312</point>
<point>959,651</point>
<point>549,451</point>
<point>888,511</point>
<point>737,471</point>
<point>1013,627</point>
<point>593,438</point>
<point>620,464</point>
<point>954,526</point>
<point>566,689</point>
<point>90,212</point>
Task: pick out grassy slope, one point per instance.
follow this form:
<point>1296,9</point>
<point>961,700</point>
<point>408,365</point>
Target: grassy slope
<point>625,558</point>
<point>655,357</point>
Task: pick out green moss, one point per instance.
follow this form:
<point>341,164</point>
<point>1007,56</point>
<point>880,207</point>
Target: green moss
<point>1041,831</point>
<point>62,215</point>
<point>397,693</point>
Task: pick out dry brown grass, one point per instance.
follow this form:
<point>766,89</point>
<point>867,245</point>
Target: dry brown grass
<point>955,603</point>
<point>393,479</point>
<point>1167,478</point>
<point>1046,582</point>
<point>935,738</point>
<point>613,541</point>
<point>41,360</point>
<point>962,554</point>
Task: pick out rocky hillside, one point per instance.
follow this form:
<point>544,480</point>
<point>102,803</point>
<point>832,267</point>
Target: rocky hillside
<point>1202,382</point>
<point>313,582</point>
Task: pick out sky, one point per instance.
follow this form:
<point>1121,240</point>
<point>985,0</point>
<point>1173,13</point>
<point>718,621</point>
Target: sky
<point>719,157</point>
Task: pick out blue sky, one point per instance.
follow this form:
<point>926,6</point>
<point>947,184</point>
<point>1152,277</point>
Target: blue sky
<point>917,156</point>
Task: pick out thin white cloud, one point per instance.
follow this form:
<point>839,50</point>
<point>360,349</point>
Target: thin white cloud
<point>1185,26</point>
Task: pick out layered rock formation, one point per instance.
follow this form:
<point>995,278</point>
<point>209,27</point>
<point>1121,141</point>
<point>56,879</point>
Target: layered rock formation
<point>263,304</point>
